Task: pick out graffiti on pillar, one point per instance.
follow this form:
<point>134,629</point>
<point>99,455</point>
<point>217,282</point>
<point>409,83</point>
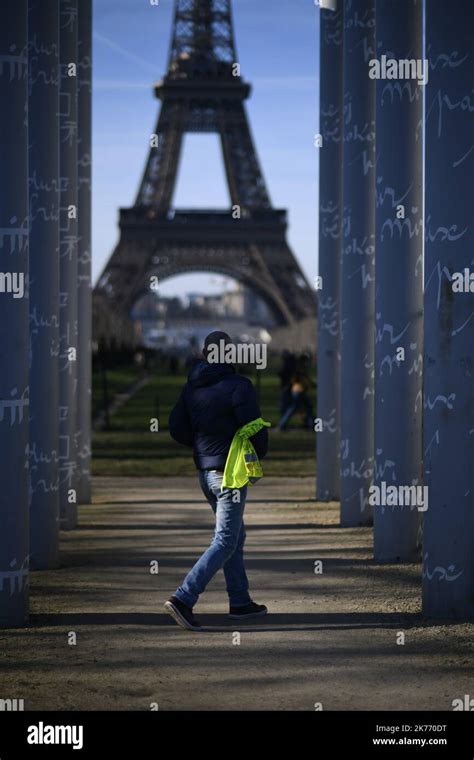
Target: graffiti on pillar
<point>41,72</point>
<point>67,465</point>
<point>38,322</point>
<point>17,236</point>
<point>15,580</point>
<point>68,123</point>
<point>42,478</point>
<point>68,14</point>
<point>449,316</point>
<point>328,315</point>
<point>84,453</point>
<point>399,267</point>
<point>14,294</point>
<point>439,573</point>
<point>358,476</point>
<point>69,333</point>
<point>357,264</point>
<point>68,252</point>
<point>15,407</point>
<point>43,185</point>
<point>369,366</point>
<point>15,65</point>
<point>84,250</point>
<point>330,231</point>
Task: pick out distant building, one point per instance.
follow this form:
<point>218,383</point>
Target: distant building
<point>169,321</point>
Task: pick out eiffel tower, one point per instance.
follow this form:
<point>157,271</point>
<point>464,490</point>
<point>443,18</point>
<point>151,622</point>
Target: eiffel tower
<point>204,92</point>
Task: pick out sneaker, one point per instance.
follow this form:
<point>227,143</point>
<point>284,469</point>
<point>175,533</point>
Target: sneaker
<point>182,614</point>
<point>250,610</point>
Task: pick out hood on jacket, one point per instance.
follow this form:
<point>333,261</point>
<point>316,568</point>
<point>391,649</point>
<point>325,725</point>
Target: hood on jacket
<point>204,374</point>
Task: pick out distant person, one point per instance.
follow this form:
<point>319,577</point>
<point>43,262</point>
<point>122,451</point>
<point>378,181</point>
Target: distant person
<point>298,400</point>
<point>213,405</point>
<point>304,363</point>
<point>287,370</point>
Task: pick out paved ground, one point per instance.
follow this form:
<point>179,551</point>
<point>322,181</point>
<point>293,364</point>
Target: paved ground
<point>331,638</point>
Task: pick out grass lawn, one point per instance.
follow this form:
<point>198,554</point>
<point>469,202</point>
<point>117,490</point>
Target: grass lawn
<point>129,448</point>
<point>118,380</point>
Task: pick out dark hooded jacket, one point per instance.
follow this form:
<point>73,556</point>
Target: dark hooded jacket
<point>213,405</point>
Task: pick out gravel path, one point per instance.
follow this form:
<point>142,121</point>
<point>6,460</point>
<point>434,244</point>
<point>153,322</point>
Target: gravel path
<point>331,638</point>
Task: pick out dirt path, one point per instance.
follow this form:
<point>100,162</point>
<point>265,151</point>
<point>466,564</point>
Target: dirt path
<point>331,638</point>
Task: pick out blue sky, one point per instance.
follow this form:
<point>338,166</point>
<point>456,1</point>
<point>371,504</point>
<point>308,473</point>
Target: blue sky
<point>277,47</point>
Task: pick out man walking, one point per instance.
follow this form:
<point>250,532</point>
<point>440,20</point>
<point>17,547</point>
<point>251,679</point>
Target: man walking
<point>213,405</point>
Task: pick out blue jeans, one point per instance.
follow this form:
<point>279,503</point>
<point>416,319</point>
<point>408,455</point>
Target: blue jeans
<point>227,547</point>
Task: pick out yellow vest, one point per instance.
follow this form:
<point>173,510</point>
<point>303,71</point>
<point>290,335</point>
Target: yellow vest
<point>242,465</point>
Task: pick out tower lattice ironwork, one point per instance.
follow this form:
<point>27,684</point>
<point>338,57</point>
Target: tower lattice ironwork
<point>204,92</point>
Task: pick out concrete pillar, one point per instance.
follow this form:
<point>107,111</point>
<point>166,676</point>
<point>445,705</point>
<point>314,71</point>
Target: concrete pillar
<point>399,280</point>
<point>357,268</point>
<point>330,237</point>
<point>68,264</point>
<point>14,490</point>
<point>448,558</point>
<point>84,355</point>
<point>43,125</point>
